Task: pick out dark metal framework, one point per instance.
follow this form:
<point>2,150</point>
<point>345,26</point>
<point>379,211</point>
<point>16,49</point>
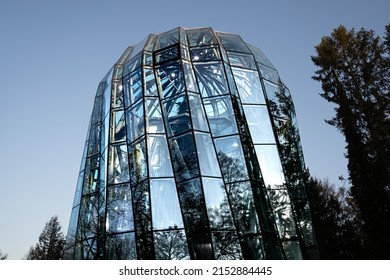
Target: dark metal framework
<point>192,152</point>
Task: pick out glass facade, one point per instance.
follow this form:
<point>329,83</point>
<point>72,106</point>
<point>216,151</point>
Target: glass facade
<point>192,152</point>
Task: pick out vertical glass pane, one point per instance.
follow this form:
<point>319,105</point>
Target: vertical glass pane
<point>135,121</point>
<point>220,115</point>
<point>88,219</point>
<point>281,206</point>
<point>158,156</point>
<point>167,54</point>
<point>121,247</point>
<point>86,250</point>
<point>119,209</point>
<point>133,87</point>
<point>252,247</point>
<point>226,245</point>
<point>97,110</point>
<point>259,124</point>
<point>91,177</point>
<point>206,155</point>
<point>117,100</point>
<point>184,158</point>
<point>259,56</point>
<point>118,167</point>
<point>94,139</point>
<point>270,165</point>
<point>117,127</point>
<point>154,121</point>
<point>211,78</point>
<point>72,228</point>
<point>249,87</point>
<point>137,158</point>
<point>269,73</point>
<point>190,77</point>
<point>166,212</point>
<point>230,79</point>
<point>218,207</point>
<point>231,159</point>
<point>292,250</point>
<point>178,116</point>
<point>198,116</point>
<point>150,82</point>
<point>242,60</point>
<point>171,245</point>
<point>170,79</point>
<point>243,207</point>
<point>201,36</point>
<point>167,38</point>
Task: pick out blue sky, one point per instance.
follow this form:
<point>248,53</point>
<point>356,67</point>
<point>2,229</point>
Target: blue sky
<point>54,53</point>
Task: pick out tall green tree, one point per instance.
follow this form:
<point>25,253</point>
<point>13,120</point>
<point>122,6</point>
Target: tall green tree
<point>51,242</point>
<point>355,76</point>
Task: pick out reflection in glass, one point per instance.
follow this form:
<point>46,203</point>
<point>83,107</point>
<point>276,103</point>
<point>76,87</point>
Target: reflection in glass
<point>118,167</point>
<point>205,54</point>
<point>170,79</point>
<point>171,245</point>
<point>269,73</point>
<point>119,210</point>
<point>133,87</point>
<point>86,250</point>
<point>226,245</point>
<point>206,155</point>
<point>95,139</point>
<point>178,116</point>
<point>121,247</point>
<point>259,124</point>
<point>154,121</point>
<point>150,82</point>
<point>249,87</point>
<point>231,159</point>
<point>199,121</point>
<point>184,159</point>
<point>270,165</point>
<point>201,36</point>
<point>252,247</point>
<point>242,60</point>
<point>158,155</point>
<point>217,204</point>
<point>220,115</point>
<point>117,127</point>
<point>233,42</point>
<point>88,219</point>
<point>211,78</point>
<point>135,121</point>
<point>137,158</point>
<point>167,54</point>
<point>165,204</point>
<point>190,77</point>
<point>91,177</point>
<point>167,39</point>
<point>292,250</point>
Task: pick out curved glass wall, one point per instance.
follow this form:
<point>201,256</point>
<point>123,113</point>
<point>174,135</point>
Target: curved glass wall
<point>192,152</point>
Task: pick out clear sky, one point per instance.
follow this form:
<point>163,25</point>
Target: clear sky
<point>54,53</point>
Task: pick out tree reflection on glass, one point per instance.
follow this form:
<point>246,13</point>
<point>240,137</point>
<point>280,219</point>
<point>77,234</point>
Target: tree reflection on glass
<point>171,245</point>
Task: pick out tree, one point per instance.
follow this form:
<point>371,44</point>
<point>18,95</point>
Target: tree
<point>3,256</point>
<point>354,70</point>
<point>51,242</point>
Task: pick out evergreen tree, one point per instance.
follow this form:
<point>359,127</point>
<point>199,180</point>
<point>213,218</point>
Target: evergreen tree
<point>355,75</point>
<point>51,242</point>
<point>3,256</point>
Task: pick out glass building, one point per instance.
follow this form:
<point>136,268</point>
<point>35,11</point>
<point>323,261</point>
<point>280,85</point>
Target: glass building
<point>192,152</point>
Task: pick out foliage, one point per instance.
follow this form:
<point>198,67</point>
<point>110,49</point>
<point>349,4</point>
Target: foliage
<point>355,75</point>
<point>3,256</point>
<point>51,242</point>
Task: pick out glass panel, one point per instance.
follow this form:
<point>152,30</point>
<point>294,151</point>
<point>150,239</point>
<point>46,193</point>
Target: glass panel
<point>166,212</point>
<point>201,246</point>
<point>292,250</point>
<point>193,207</point>
<point>233,42</point>
<point>79,189</point>
<point>269,73</point>
<point>97,110</point>
<point>135,121</point>
<point>206,155</point>
<point>148,59</point>
<point>183,155</point>
<point>249,87</point>
<point>205,54</point>
<point>231,159</point>
<point>91,178</point>
<point>232,84</point>
<point>190,77</point>
<point>283,213</point>
<point>178,117</point>
<point>171,245</point>
<point>167,38</point>
<point>220,115</point>
<point>211,78</point>
<point>88,219</point>
<point>201,36</point>
<point>117,127</point>
<point>170,79</point>
<point>95,139</point>
<point>218,207</point>
<point>243,207</point>
<point>118,167</point>
<point>72,228</point>
<point>137,157</point>
<point>158,156</point>
<point>150,82</point>
<point>119,209</point>
<point>117,95</point>
<point>167,54</point>
<point>185,54</point>
<point>121,247</point>
<point>198,116</point>
<point>259,56</point>
<point>133,63</point>
<point>252,247</point>
<point>274,92</point>
<point>271,168</point>
<point>259,124</point>
<point>86,250</point>
<point>242,60</point>
<point>133,87</point>
<point>226,245</point>
<point>154,121</point>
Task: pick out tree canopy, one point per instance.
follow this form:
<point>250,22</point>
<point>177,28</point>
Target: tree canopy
<point>355,76</point>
